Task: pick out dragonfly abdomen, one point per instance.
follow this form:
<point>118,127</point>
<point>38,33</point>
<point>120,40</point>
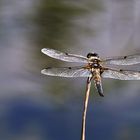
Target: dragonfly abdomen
<point>97,81</point>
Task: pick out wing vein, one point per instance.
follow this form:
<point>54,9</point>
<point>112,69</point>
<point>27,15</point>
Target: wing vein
<point>124,60</point>
<point>67,72</point>
<point>121,74</point>
<point>64,56</point>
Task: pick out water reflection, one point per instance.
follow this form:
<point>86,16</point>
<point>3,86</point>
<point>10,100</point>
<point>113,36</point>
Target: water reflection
<point>37,107</point>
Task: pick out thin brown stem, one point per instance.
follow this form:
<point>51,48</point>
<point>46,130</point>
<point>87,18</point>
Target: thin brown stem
<point>85,108</point>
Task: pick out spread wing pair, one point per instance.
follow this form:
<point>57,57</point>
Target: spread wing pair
<point>83,72</point>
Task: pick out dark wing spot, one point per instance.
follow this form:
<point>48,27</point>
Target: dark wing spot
<point>70,68</point>
<point>125,57</point>
<point>121,70</point>
<point>66,53</point>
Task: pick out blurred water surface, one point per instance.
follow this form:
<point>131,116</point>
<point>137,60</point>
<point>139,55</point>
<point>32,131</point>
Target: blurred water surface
<point>37,107</point>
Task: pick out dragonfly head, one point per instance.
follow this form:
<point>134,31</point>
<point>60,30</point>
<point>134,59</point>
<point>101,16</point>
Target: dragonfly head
<point>89,55</point>
<point>93,56</point>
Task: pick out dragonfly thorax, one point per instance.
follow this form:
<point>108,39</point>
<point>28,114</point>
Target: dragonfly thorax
<point>95,64</point>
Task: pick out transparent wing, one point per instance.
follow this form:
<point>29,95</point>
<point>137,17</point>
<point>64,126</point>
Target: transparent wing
<point>67,72</point>
<point>124,60</point>
<point>121,74</point>
<point>64,56</point>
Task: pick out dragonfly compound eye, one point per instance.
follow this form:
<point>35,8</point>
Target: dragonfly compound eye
<point>92,55</point>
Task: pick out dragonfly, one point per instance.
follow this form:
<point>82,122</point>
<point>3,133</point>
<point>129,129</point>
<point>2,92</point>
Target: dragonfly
<point>94,68</point>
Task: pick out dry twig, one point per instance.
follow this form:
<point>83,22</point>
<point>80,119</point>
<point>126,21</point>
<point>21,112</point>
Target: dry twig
<point>85,108</point>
